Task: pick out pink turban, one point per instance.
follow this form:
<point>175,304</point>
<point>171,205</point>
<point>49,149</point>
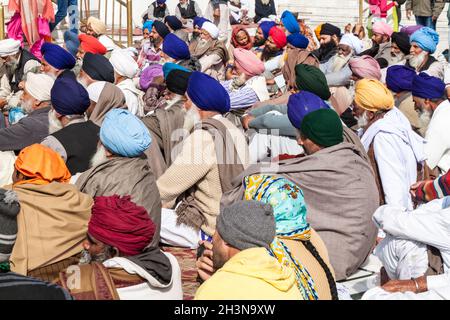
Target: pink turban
<point>365,67</point>
<point>381,27</point>
<point>248,62</point>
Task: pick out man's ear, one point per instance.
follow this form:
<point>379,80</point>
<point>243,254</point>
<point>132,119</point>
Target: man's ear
<point>115,252</point>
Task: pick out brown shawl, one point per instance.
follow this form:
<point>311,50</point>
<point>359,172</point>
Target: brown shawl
<point>125,176</point>
<point>341,195</point>
<point>215,46</point>
<point>296,56</point>
<point>110,98</point>
<point>52,224</point>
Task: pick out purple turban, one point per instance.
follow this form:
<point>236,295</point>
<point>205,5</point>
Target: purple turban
<point>399,78</point>
<point>411,29</point>
<point>301,104</point>
<point>427,87</point>
<point>69,97</point>
<point>150,73</point>
<point>266,26</point>
<point>207,93</point>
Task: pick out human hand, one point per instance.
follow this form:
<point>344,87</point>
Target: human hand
<point>399,286</point>
<point>246,121</point>
<point>434,18</point>
<point>204,264</point>
<point>413,189</point>
<point>348,28</point>
<point>408,14</point>
<point>3,103</point>
<point>447,90</point>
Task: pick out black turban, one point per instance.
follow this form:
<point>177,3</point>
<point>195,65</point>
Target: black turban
<point>330,30</point>
<point>98,67</point>
<point>173,22</point>
<point>177,81</point>
<point>401,39</point>
<point>161,28</point>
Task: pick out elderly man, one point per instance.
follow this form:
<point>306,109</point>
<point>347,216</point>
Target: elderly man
<point>56,60</point>
<point>97,29</point>
<point>186,11</point>
<point>95,67</point>
<point>434,111</point>
<point>210,157</point>
<point>53,217</point>
<point>115,247</point>
<point>119,167</point>
<point>329,41</point>
<point>381,41</point>
<point>157,34</point>
<point>156,11</point>
<point>211,53</point>
<point>395,150</point>
<point>176,51</point>
<point>344,220</point>
<point>244,233</point>
<point>18,63</point>
<point>125,69</point>
<point>176,27</point>
<point>400,48</point>
<point>89,44</point>
<point>364,67</point>
<point>423,44</point>
<point>74,138</point>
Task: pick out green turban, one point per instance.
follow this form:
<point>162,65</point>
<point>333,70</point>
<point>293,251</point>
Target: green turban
<point>323,127</point>
<point>310,78</point>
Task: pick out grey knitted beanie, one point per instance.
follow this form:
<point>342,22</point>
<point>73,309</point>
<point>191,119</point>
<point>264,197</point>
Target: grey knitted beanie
<point>9,209</point>
<point>247,224</point>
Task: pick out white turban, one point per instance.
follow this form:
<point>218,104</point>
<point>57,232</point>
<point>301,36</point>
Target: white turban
<point>124,64</point>
<point>107,42</point>
<point>95,89</point>
<point>353,42</point>
<point>211,28</point>
<point>9,47</point>
<point>39,85</point>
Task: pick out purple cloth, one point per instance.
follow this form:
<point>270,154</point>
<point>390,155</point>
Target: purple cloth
<point>400,78</point>
<point>410,29</point>
<point>301,104</point>
<point>427,87</point>
<point>150,73</point>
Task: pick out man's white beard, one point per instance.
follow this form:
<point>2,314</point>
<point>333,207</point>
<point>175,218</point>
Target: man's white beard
<point>52,75</point>
<point>416,61</point>
<point>191,118</point>
<point>27,106</point>
<point>53,122</point>
<point>174,99</point>
<point>99,157</point>
<point>265,2</point>
<point>397,57</point>
<point>362,120</point>
<point>339,62</point>
<point>425,118</point>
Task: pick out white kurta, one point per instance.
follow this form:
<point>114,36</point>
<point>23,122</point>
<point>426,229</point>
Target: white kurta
<point>132,97</point>
<point>437,147</point>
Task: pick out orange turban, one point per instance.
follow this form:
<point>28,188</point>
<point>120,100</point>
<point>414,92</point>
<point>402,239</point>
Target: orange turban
<point>317,31</point>
<point>41,165</point>
<point>91,44</point>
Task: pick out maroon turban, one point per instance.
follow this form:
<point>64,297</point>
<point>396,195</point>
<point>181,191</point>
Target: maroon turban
<point>118,222</point>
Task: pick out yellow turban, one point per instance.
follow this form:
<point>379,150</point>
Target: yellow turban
<point>97,25</point>
<point>373,96</point>
<point>317,31</point>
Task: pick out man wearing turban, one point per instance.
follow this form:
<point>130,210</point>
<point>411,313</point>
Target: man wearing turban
<point>395,150</point>
<point>262,33</point>
<point>187,11</point>
<point>53,217</point>
<point>330,36</point>
<point>125,70</point>
<point>95,67</point>
<point>120,167</point>
<point>210,52</point>
<point>209,158</point>
<point>176,27</point>
<point>118,233</point>
<point>423,44</point>
<point>400,48</point>
<point>158,32</point>
<point>156,11</point>
<point>431,103</point>
<point>89,44</point>
<point>56,60</point>
<point>381,41</point>
<point>68,126</point>
<point>175,50</point>
<point>97,29</point>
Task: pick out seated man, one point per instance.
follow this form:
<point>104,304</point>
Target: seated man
<point>210,157</point>
<point>95,67</point>
<point>400,48</point>
<point>272,54</point>
<point>53,217</point>
<point>176,27</point>
<point>56,61</point>
<point>104,96</point>
<point>176,51</point>
<point>119,166</point>
<point>115,248</point>
<point>157,34</point>
<point>97,29</point>
<point>329,40</point>
<point>89,44</point>
<point>344,220</point>
<point>186,11</point>
<point>211,53</point>
<point>19,62</point>
<point>71,135</point>
<point>381,41</point>
<point>415,252</point>
<point>245,231</point>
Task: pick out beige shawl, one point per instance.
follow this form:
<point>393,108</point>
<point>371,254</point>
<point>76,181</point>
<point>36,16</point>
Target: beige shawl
<point>110,98</point>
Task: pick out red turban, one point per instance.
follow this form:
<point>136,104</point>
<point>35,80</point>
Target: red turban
<point>278,37</point>
<point>118,222</point>
<point>91,44</point>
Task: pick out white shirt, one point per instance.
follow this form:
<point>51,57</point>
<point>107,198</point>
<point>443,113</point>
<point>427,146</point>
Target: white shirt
<point>131,94</point>
<point>437,147</point>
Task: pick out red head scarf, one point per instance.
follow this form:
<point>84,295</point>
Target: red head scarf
<point>118,222</point>
<point>278,37</point>
<point>91,44</point>
<point>236,30</point>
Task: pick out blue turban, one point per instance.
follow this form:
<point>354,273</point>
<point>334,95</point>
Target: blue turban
<point>290,22</point>
<point>427,87</point>
<point>175,48</point>
<point>147,25</point>
<point>207,93</point>
<point>173,22</point>
<point>301,104</point>
<point>298,40</point>
<point>160,1</point>
<point>426,38</point>
<point>57,56</point>
<point>124,134</point>
<point>69,97</point>
<point>266,26</point>
<point>169,66</point>
<point>71,41</point>
<point>399,78</point>
<point>199,21</point>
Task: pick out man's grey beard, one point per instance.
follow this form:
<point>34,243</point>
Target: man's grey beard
<point>203,43</point>
<point>340,61</point>
<point>87,258</point>
<point>362,120</point>
<point>53,122</point>
<point>416,61</point>
<point>174,99</point>
<point>12,63</point>
<point>425,118</point>
<point>99,157</point>
<point>191,118</point>
<point>397,57</point>
<point>27,106</point>
<point>265,2</point>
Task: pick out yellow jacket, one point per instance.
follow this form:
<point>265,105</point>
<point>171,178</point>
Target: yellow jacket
<point>251,274</point>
